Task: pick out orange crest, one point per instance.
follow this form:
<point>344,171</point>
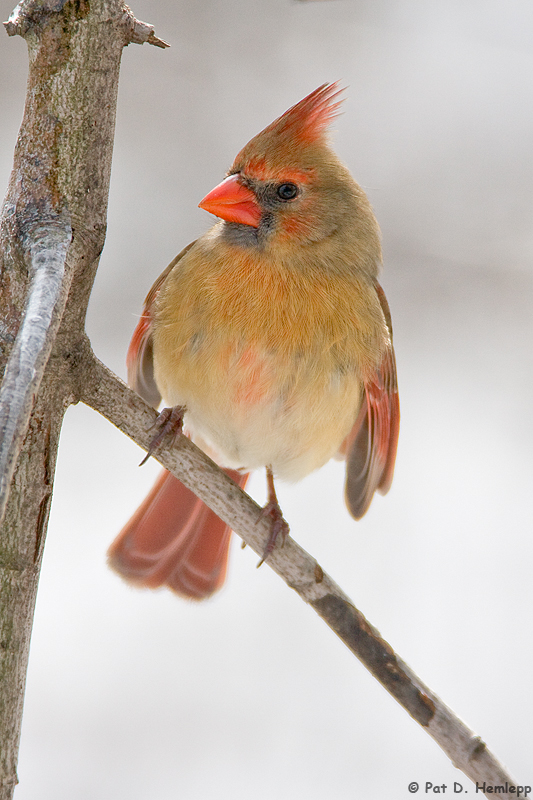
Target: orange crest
<point>308,119</point>
<point>275,148</point>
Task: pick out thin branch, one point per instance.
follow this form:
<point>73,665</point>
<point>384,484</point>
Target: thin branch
<point>47,246</point>
<point>105,393</point>
<point>140,32</point>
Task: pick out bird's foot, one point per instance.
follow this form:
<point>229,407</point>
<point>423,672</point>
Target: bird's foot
<point>169,421</point>
<point>273,510</point>
<point>279,526</point>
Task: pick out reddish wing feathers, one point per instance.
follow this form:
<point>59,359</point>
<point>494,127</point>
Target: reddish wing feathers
<point>371,446</point>
<point>140,363</point>
<point>140,357</point>
<point>388,372</point>
<point>174,539</point>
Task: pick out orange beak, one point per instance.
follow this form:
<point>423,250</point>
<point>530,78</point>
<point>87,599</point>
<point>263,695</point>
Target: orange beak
<point>233,202</point>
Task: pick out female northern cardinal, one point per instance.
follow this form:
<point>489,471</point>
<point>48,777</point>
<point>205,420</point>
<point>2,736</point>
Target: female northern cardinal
<point>273,334</point>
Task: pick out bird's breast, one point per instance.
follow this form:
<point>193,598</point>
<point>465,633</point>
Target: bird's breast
<point>268,362</point>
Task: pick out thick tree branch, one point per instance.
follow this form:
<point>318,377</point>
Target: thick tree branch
<point>52,230</point>
<point>104,392</point>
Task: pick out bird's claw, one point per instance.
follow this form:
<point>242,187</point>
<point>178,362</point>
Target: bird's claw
<point>279,526</point>
<point>169,421</point>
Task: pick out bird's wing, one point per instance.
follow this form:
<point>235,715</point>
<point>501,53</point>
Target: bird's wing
<point>140,357</point>
<point>370,447</point>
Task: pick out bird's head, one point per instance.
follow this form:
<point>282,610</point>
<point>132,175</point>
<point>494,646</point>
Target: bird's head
<point>287,186</point>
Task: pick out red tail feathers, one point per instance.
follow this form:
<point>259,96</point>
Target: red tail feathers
<point>174,539</point>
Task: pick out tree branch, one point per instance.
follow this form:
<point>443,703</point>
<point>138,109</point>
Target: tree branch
<point>140,32</point>
<point>100,389</point>
<point>52,230</point>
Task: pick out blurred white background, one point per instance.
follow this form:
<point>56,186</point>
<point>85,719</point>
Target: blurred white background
<point>140,695</point>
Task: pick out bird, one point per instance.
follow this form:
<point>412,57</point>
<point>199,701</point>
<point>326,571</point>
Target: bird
<point>271,337</point>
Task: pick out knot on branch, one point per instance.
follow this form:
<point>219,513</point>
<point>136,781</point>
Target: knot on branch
<point>138,32</point>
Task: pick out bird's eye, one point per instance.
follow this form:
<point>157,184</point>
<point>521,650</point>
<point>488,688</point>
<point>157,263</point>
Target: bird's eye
<point>287,191</point>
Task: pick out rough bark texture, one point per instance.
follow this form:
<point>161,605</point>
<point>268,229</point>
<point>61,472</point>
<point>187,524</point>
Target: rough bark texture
<point>52,232</point>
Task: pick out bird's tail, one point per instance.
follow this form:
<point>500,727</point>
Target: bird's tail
<point>174,539</point>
